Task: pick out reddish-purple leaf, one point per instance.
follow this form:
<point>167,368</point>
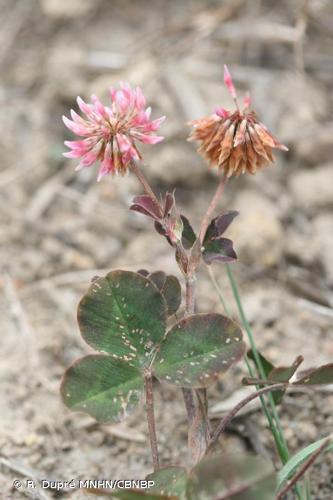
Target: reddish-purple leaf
<point>219,225</point>
<point>169,203</point>
<point>146,205</point>
<point>215,246</point>
<point>220,249</point>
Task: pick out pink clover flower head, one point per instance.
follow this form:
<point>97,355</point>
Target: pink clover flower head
<point>109,133</point>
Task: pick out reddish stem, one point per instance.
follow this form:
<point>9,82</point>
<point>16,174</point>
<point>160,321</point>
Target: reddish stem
<point>151,419</point>
<point>137,171</point>
<point>227,419</point>
<point>187,393</point>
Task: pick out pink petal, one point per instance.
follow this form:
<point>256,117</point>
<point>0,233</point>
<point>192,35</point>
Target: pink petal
<point>229,83</point>
<point>155,124</point>
<point>107,166</point>
<point>247,101</point>
<point>129,93</point>
<point>81,145</point>
<point>221,112</point>
<point>147,139</point>
<point>123,142</point>
<point>122,102</point>
<point>140,101</point>
<point>77,118</point>
<point>84,107</point>
<point>72,154</point>
<point>89,158</point>
<point>75,127</point>
<point>100,108</point>
<point>112,94</point>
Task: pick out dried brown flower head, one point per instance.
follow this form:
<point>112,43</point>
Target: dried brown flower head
<point>235,142</point>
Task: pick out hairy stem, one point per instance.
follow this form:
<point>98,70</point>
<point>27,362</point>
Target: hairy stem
<point>151,419</point>
<point>188,394</point>
<point>232,413</point>
<point>137,171</point>
<point>190,295</point>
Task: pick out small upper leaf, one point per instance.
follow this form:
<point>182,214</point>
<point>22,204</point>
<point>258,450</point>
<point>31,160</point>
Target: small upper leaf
<point>219,249</point>
<point>169,203</point>
<point>188,236</point>
<point>234,477</point>
<point>123,314</point>
<point>146,205</point>
<point>104,387</point>
<point>220,224</point>
<point>215,246</point>
<point>197,349</point>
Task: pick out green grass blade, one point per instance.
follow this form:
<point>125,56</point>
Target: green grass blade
<point>295,461</point>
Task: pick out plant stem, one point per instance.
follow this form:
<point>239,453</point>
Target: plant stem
<point>207,217</point>
<point>151,419</point>
<point>137,171</point>
<point>232,413</point>
<point>190,295</point>
<point>190,289</point>
<point>188,394</point>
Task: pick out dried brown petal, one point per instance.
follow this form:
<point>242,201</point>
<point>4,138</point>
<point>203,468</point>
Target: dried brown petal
<point>236,143</point>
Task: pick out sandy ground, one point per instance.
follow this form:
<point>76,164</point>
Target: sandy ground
<point>59,228</point>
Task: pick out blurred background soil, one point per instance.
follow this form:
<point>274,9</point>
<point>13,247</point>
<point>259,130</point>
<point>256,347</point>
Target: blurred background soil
<point>59,228</point>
